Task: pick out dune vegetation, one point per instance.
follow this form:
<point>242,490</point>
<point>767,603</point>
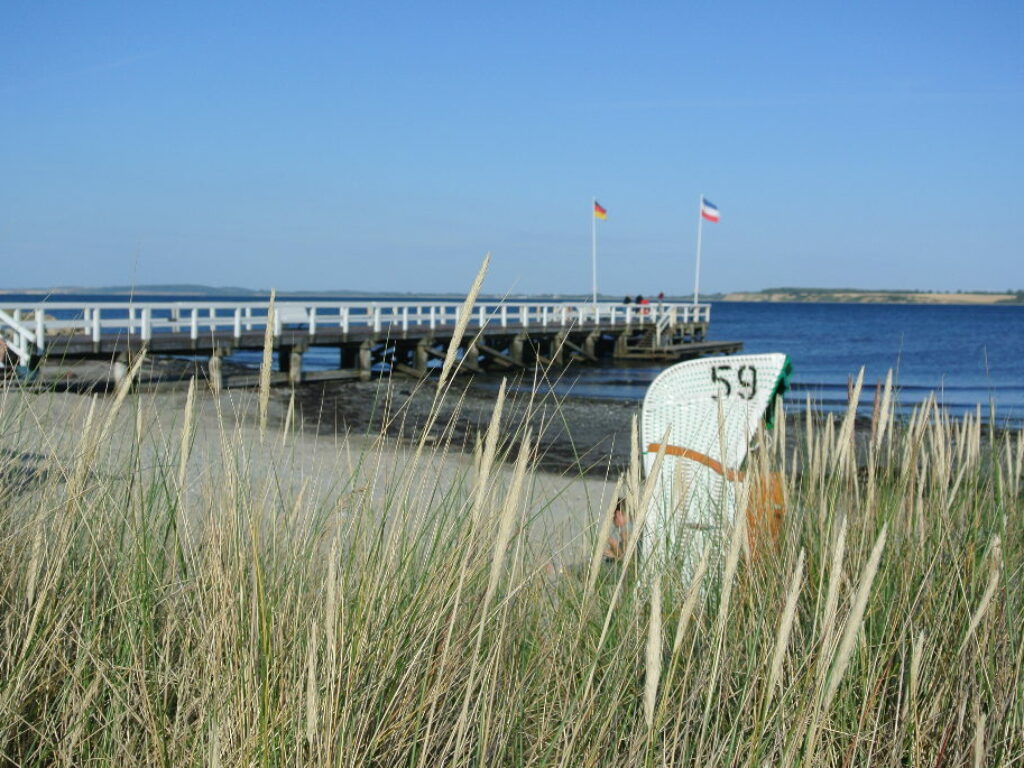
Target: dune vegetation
<point>152,614</point>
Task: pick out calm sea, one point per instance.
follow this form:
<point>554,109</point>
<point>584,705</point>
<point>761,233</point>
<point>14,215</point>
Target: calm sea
<point>965,355</point>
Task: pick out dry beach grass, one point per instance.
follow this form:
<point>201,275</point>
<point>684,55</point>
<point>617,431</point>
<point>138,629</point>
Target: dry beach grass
<point>194,586</point>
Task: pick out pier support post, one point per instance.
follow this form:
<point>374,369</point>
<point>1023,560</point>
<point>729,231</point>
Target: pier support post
<point>472,357</point>
<point>215,371</point>
<point>290,362</point>
<point>515,350</point>
<point>421,354</point>
<point>119,369</point>
<point>365,360</point>
<point>590,344</point>
<point>558,349</point>
<point>622,344</point>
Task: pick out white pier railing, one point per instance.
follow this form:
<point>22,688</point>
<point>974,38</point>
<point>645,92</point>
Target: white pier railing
<point>27,327</point>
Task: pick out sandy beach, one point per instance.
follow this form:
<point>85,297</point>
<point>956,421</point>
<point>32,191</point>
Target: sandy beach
<point>322,468</point>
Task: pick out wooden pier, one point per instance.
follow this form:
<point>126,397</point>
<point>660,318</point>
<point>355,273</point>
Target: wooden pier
<point>403,337</point>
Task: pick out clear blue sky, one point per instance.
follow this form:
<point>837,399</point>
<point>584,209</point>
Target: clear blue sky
<point>387,146</point>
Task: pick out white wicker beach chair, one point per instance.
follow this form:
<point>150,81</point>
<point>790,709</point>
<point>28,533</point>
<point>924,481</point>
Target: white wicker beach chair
<point>707,410</point>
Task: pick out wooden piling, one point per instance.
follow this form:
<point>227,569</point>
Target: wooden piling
<point>366,360</point>
<point>215,372</point>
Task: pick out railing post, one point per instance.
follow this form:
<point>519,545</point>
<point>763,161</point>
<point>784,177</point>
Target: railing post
<point>376,317</point>
<point>238,322</point>
<point>278,324</point>
<point>504,316</point>
<point>40,332</point>
<point>131,320</point>
<point>312,321</point>
<point>481,316</point>
<point>193,329</point>
<point>629,314</point>
<point>405,318</point>
<point>213,319</point>
<point>147,323</point>
<point>524,315</point>
<point>248,318</point>
<point>544,315</point>
<point>565,314</point>
<point>96,325</point>
<point>433,317</point>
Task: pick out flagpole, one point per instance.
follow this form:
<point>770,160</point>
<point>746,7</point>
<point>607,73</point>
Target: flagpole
<point>593,249</point>
<point>700,225</point>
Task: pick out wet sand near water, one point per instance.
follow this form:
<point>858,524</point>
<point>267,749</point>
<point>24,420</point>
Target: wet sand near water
<point>577,435</point>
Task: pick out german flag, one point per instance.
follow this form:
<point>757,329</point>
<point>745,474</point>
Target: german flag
<point>599,212</point>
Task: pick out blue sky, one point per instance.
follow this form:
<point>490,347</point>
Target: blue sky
<point>387,146</point>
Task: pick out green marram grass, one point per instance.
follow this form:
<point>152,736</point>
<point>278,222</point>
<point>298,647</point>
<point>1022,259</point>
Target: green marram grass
<point>151,614</point>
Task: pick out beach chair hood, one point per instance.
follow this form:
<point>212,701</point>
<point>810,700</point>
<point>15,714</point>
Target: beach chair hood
<point>709,409</point>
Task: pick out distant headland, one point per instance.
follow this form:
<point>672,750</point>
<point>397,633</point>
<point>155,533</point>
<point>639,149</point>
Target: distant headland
<point>861,296</point>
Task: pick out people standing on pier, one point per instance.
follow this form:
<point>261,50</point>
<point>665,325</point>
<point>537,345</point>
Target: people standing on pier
<point>626,300</point>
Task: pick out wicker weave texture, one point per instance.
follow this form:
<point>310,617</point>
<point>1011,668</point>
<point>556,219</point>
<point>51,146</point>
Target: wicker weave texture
<point>711,407</point>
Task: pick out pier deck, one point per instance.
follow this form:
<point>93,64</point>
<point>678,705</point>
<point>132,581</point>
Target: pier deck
<point>407,337</point>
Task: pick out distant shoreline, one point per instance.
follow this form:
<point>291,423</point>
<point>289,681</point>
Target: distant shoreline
<point>767,296</point>
<point>796,296</point>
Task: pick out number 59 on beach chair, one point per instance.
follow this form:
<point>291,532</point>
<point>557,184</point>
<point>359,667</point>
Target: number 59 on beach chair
<point>709,409</point>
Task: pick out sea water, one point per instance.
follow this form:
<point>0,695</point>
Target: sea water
<point>965,355</point>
